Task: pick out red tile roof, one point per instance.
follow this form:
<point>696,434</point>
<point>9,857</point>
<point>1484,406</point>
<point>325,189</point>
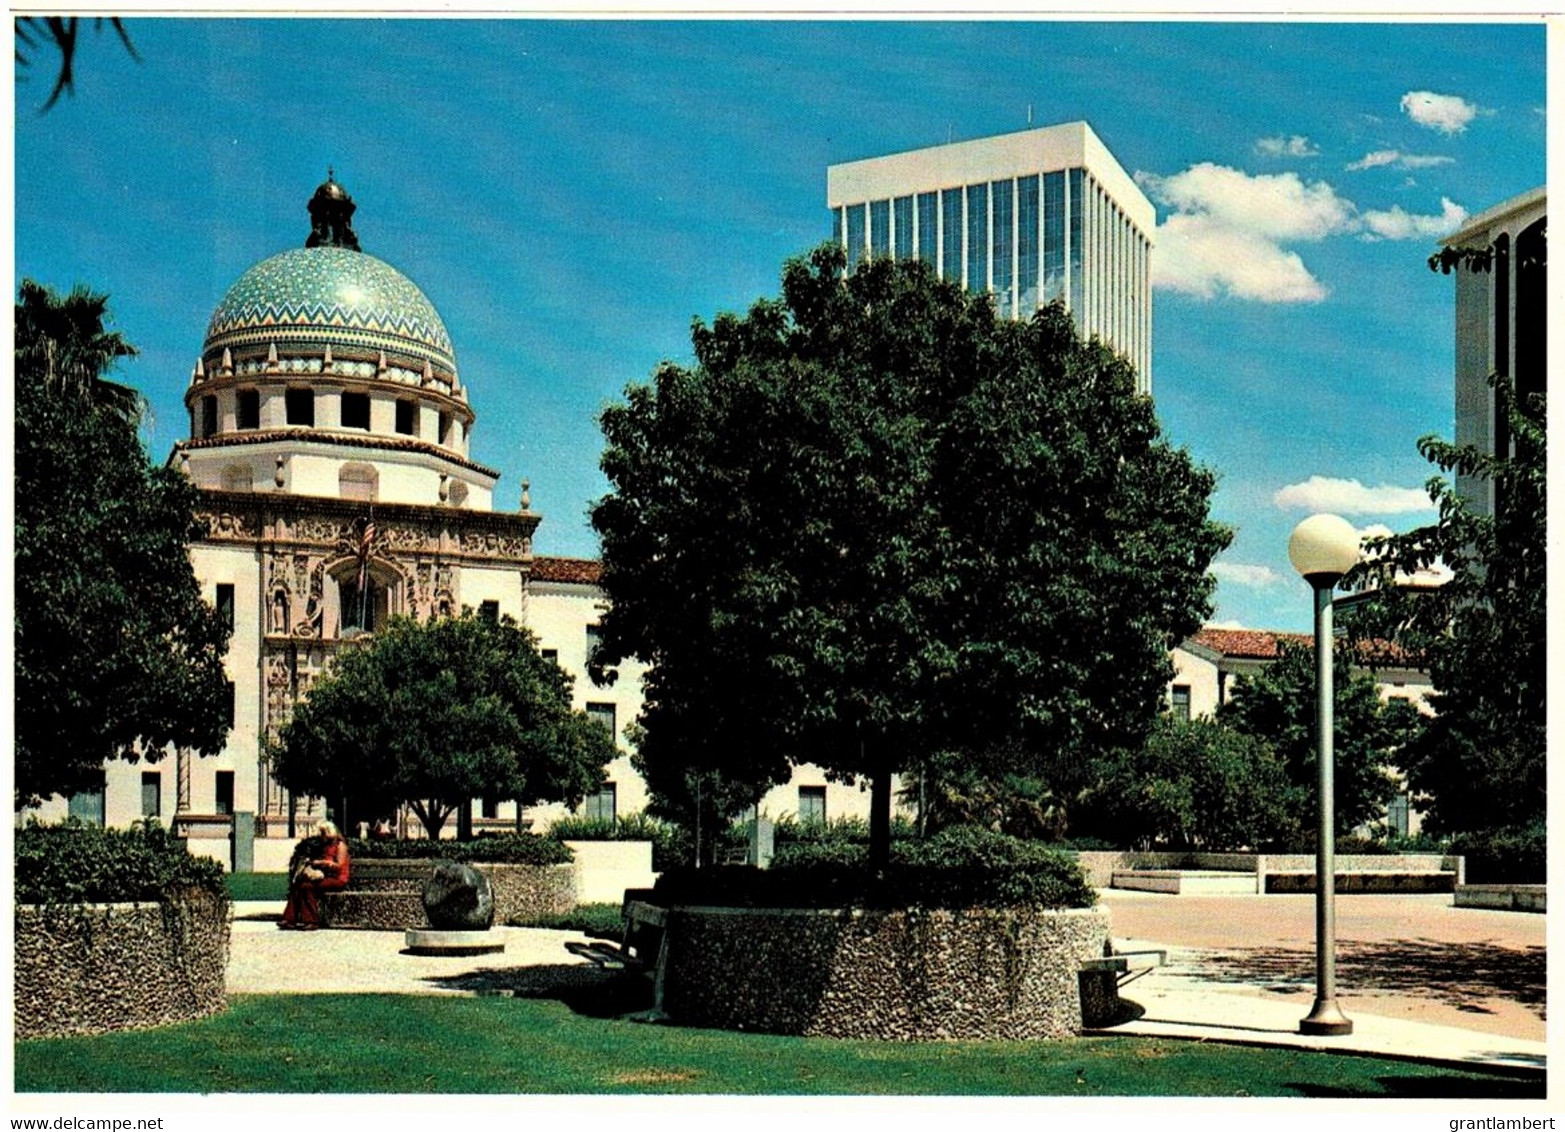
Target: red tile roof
<point>581,571</point>
<point>1250,644</point>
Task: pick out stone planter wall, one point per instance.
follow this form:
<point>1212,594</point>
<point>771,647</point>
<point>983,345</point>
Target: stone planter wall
<point>92,969</point>
<point>904,975</point>
<point>387,894</point>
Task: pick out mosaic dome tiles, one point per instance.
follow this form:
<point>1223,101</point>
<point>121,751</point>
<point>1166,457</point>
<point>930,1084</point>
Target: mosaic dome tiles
<point>329,296</point>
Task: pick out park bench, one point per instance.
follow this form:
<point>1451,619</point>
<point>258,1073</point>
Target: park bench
<point>381,896</point>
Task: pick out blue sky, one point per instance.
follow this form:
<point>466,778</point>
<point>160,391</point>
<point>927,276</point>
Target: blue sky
<point>570,194</point>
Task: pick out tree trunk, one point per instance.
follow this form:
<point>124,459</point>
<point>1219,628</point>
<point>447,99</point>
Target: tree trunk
<point>464,820</point>
<point>880,819</point>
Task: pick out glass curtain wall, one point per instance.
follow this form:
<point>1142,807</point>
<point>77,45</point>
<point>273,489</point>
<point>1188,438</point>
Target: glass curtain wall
<point>1004,246</point>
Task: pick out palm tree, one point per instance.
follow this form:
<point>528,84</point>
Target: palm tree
<point>62,343</point>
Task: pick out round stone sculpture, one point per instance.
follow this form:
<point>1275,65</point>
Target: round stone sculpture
<point>457,897</point>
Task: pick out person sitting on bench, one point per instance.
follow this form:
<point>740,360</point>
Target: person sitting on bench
<point>325,873</point>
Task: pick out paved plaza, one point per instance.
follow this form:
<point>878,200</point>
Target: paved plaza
<point>1418,977</point>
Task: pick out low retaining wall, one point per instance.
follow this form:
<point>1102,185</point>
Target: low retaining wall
<point>96,968</point>
<point>1506,897</point>
<point>386,894</point>
<point>1101,865</point>
<point>904,975</point>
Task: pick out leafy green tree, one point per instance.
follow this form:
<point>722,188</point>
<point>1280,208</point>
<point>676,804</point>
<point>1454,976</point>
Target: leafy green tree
<point>117,655</point>
<point>1481,762</point>
<point>437,714</point>
<point>875,522</point>
<point>1198,784</point>
<point>1278,705</point>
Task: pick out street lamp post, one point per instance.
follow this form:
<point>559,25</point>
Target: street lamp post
<point>1322,549</point>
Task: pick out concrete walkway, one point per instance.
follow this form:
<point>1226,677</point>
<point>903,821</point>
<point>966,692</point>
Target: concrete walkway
<point>1178,1001</point>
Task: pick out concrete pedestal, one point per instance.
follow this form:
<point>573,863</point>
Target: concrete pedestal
<point>429,941</point>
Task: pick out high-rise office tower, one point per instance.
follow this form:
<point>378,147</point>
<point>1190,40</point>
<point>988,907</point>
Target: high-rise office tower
<point>1032,217</point>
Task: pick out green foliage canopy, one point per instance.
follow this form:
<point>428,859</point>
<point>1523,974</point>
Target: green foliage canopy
<point>1278,705</point>
<point>437,714</point>
<point>117,655</point>
<point>1480,764</point>
<point>1198,784</point>
<point>875,522</point>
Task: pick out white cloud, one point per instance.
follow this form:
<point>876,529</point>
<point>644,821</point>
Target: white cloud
<point>1244,574</point>
<point>1350,497</point>
<point>1225,625</point>
<point>1399,160</point>
<point>1228,230</point>
<point>1277,205</point>
<point>1447,113</point>
<point>1397,224</point>
<point>1295,146</point>
<point>1228,227</point>
<point>1198,255</point>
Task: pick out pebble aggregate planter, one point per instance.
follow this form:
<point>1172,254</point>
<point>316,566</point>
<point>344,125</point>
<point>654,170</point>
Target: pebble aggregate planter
<point>897,975</point>
<point>96,968</point>
<point>387,895</point>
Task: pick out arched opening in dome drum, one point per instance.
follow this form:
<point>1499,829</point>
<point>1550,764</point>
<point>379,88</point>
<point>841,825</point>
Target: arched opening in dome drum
<point>247,409</point>
<point>358,481</point>
<point>407,418</point>
<point>208,419</point>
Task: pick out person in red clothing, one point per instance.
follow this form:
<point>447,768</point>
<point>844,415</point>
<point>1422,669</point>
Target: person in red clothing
<point>325,873</point>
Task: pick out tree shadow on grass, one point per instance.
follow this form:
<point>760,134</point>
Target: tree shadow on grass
<point>594,992</point>
<point>1458,974</point>
<point>1439,1087</point>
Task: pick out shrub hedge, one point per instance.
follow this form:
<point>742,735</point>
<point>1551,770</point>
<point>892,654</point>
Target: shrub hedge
<point>507,848</point>
<point>72,863</point>
<point>958,868</point>
<point>671,845</point>
<point>1505,856</point>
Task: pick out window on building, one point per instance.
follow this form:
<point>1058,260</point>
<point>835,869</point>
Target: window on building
<point>225,603</point>
<point>490,808</point>
<point>361,610</point>
<point>594,638</point>
<point>601,806</point>
<point>1179,701</point>
<point>812,804</point>
<point>1027,259</point>
<point>247,409</point>
<point>445,430</point>
<point>300,404</point>
<point>855,235</point>
<point>550,654</point>
<point>356,410</point>
<point>903,223</point>
<point>880,228</point>
<point>977,238</point>
<point>407,418</point>
<point>489,610</point>
<point>229,702</point>
<point>87,806</point>
<point>209,416</point>
<point>1002,194</point>
<point>928,228</point>
<point>1397,815</point>
<point>151,794</point>
<point>951,234</point>
<point>1053,236</point>
<point>1075,209</point>
<point>223,786</point>
<point>603,716</point>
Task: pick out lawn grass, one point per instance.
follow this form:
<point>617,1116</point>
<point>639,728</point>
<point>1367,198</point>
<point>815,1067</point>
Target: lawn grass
<point>427,1044</point>
<point>257,886</point>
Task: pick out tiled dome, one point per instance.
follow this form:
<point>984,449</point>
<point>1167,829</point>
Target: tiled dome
<point>312,299</point>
